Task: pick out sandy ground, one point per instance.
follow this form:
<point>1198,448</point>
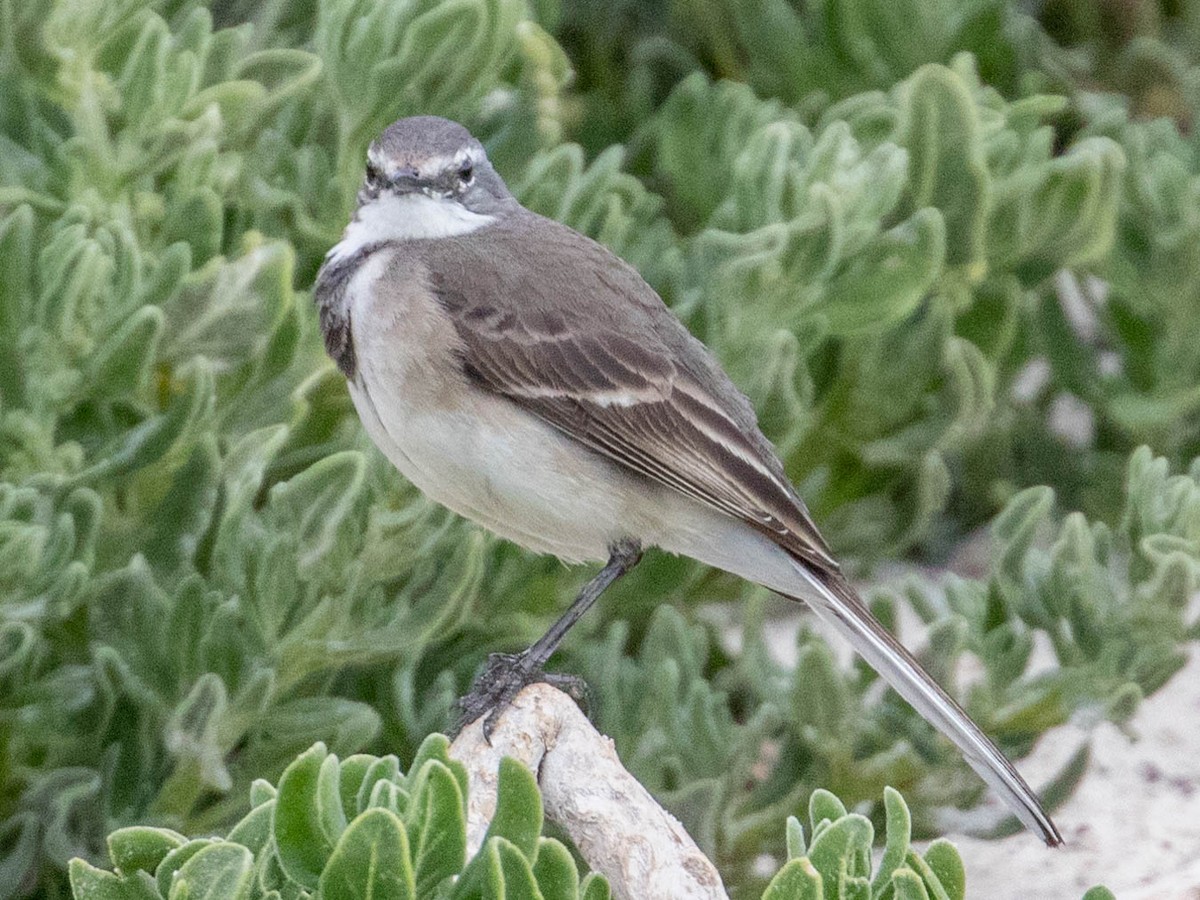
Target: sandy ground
<point>1132,824</point>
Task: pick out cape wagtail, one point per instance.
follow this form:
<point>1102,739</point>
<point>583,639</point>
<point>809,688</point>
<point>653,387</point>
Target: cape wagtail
<point>522,375</point>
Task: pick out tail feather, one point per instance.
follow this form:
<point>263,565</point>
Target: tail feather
<point>712,537</point>
<point>836,603</point>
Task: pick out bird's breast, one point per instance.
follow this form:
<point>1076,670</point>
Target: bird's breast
<point>475,452</point>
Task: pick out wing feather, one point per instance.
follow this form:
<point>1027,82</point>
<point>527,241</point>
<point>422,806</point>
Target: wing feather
<point>575,336</point>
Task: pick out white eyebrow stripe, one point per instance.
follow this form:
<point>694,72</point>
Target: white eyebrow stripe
<point>449,160</point>
<point>438,163</point>
<point>374,157</point>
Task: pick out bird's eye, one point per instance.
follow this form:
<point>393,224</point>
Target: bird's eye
<point>465,173</point>
<point>372,173</point>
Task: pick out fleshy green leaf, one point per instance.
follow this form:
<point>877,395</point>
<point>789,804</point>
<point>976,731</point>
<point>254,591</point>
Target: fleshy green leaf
<point>889,278</point>
<point>90,883</point>
<point>823,805</point>
<point>437,826</point>
<point>907,885</point>
<point>555,871</point>
<point>142,848</point>
<point>796,847</point>
<point>300,827</point>
<point>899,833</point>
<point>512,876</point>
<point>945,862</point>
<point>797,880</point>
<point>168,870</point>
<point>254,830</point>
<point>518,816</point>
<point>947,168</point>
<point>838,852</point>
<point>371,861</point>
<point>594,887</point>
<point>220,871</point>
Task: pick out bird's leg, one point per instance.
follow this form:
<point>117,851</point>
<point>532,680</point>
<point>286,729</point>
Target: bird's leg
<point>507,673</point>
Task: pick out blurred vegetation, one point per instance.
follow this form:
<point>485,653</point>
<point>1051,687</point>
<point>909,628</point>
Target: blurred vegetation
<point>950,249</point>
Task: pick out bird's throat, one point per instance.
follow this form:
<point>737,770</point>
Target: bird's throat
<point>405,217</point>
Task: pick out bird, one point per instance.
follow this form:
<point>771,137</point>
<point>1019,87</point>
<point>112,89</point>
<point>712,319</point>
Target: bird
<point>524,376</point>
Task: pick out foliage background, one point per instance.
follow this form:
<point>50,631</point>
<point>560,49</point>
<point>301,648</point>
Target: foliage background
<point>950,248</point>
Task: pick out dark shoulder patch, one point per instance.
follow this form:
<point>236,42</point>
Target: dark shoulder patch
<point>333,307</point>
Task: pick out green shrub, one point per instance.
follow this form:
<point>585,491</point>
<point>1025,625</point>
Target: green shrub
<point>358,828</point>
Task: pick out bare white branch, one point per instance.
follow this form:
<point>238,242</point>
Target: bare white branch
<point>618,827</point>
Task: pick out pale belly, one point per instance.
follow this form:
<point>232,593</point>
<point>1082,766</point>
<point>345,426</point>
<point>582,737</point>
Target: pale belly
<point>505,470</point>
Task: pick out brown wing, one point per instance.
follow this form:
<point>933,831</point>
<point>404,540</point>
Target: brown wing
<point>574,335</point>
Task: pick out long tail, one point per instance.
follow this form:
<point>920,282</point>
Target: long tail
<point>736,547</point>
<point>836,602</point>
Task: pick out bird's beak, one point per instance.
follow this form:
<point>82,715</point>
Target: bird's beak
<point>405,179</point>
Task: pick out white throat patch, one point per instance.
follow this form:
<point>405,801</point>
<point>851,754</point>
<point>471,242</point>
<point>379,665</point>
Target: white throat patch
<point>405,217</point>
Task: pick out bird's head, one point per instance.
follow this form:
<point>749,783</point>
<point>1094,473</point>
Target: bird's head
<point>434,170</point>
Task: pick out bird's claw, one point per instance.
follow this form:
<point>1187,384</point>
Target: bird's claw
<point>504,676</point>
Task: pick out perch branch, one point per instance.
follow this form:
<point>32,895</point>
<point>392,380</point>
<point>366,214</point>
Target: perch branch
<point>618,827</point>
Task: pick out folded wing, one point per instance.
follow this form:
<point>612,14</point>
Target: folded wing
<point>615,370</point>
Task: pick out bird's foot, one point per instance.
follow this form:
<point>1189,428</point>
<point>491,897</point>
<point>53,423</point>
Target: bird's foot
<point>505,675</point>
